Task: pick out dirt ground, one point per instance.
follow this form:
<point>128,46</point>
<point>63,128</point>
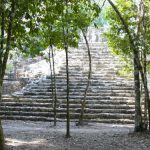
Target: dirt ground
<point>28,135</point>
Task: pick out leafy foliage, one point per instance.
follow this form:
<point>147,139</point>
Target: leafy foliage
<point>118,39</point>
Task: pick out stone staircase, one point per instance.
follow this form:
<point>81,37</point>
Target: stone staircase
<point>110,97</point>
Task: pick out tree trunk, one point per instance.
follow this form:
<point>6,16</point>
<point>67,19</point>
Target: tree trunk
<point>137,69</point>
<point>65,40</point>
<point>1,44</point>
<point>141,29</point>
<point>146,97</point>
<point>138,114</point>
<point>147,100</point>
<point>83,102</point>
<point>4,56</point>
<point>144,81</point>
<point>52,82</point>
<point>1,79</point>
<point>68,89</point>
<point>2,144</point>
<point>54,85</point>
<point>1,88</point>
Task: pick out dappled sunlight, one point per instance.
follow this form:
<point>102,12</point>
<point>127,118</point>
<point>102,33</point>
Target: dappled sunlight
<point>93,136</point>
<point>17,142</point>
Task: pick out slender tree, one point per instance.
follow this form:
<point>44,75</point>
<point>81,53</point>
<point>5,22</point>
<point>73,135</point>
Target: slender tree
<point>89,13</point>
<point>144,27</point>
<point>83,102</point>
<point>1,80</point>
<point>52,82</point>
<point>2,41</point>
<point>4,55</point>
<point>65,40</point>
<point>55,88</point>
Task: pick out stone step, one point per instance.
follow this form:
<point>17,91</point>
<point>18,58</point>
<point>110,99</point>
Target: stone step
<point>82,85</point>
<point>72,105</point>
<point>49,112</point>
<point>77,91</point>
<point>104,79</point>
<point>33,118</point>
<point>120,111</point>
<point>92,88</point>
<point>97,69</point>
<point>27,108</point>
<point>82,89</point>
<point>95,58</point>
<point>26,118</point>
<point>97,88</point>
<point>83,82</point>
<point>100,106</point>
<point>112,121</point>
<point>95,54</point>
<point>97,78</point>
<point>74,99</point>
<point>72,115</point>
<point>103,85</point>
<point>99,83</point>
<point>99,97</point>
<point>99,111</point>
<point>100,74</point>
<point>26,113</point>
<point>48,102</point>
<point>92,108</point>
<point>43,94</point>
<point>27,103</point>
<point>93,101</point>
<point>98,56</point>
<point>100,116</point>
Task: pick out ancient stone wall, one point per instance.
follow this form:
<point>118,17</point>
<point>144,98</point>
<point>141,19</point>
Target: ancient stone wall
<point>94,35</point>
<point>13,86</point>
